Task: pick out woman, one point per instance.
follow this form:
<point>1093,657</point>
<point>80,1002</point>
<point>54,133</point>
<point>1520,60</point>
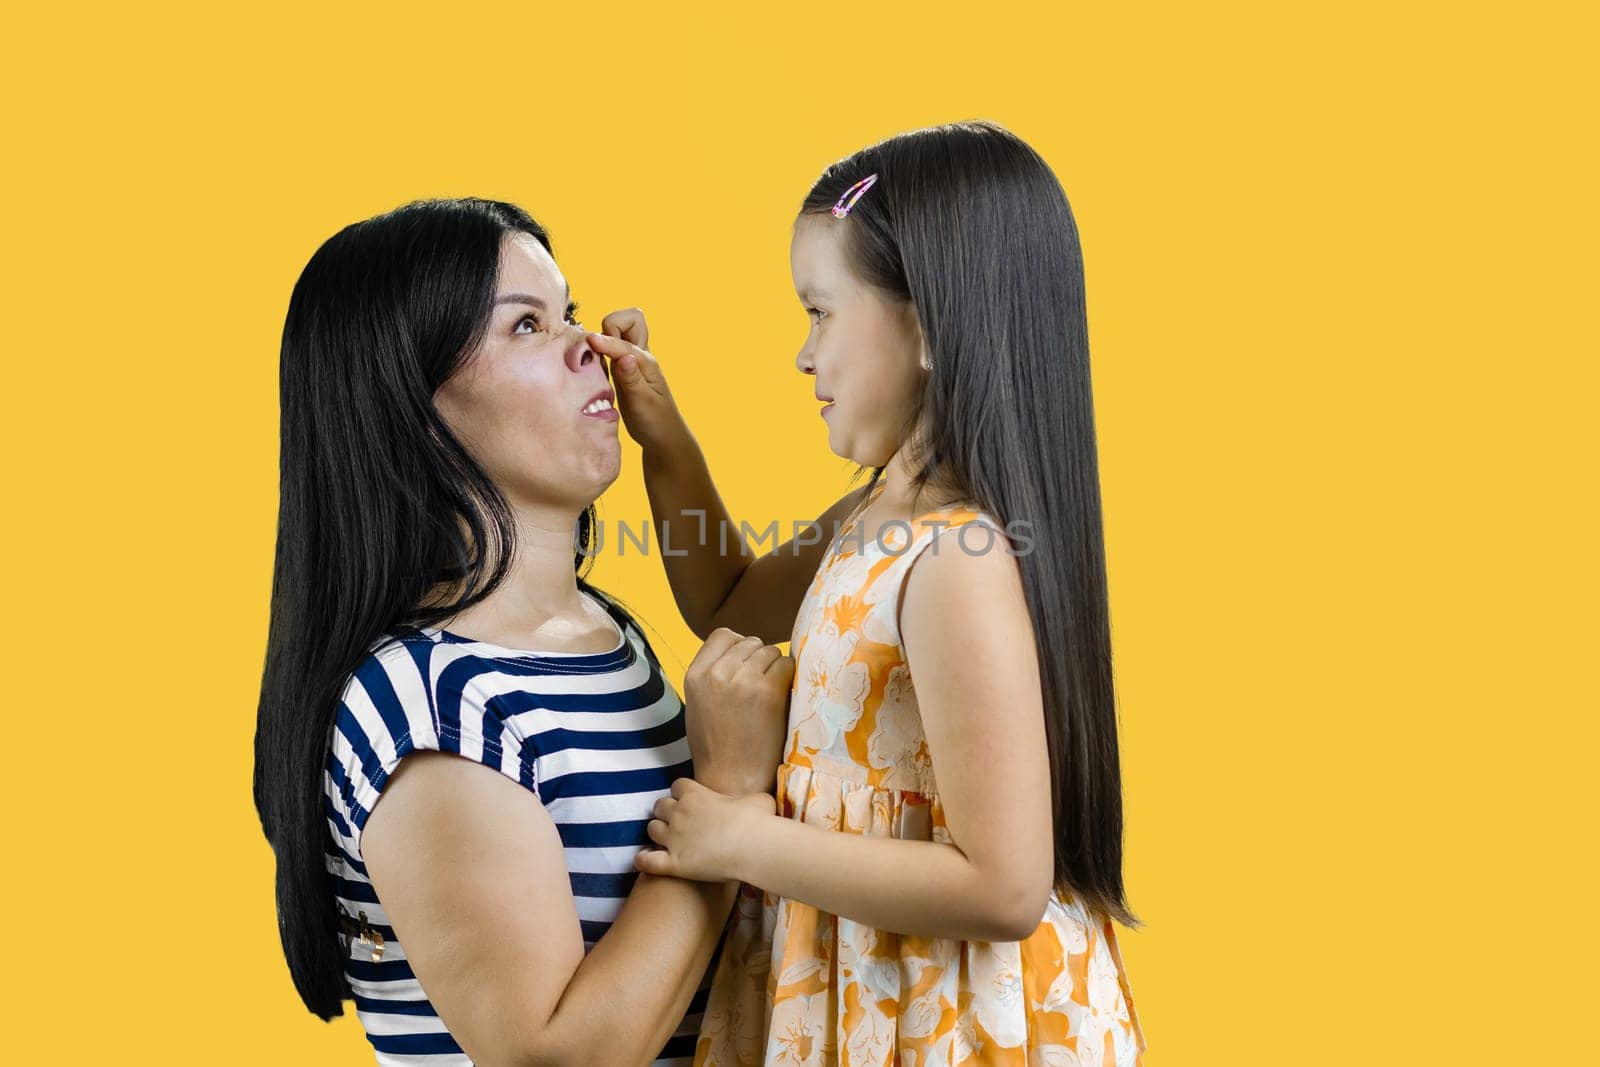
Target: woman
<point>446,430</point>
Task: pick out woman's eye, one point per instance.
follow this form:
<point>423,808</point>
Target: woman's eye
<point>531,317</point>
<point>571,317</point>
<point>817,312</point>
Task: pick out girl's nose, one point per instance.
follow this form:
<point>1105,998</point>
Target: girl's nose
<point>804,362</point>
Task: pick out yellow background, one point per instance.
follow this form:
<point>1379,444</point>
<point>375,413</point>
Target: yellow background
<point>1340,267</point>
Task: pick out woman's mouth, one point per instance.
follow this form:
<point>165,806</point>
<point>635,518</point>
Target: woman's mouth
<point>601,407</point>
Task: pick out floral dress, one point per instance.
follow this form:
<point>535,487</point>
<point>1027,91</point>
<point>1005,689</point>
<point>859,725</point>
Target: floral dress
<point>796,985</point>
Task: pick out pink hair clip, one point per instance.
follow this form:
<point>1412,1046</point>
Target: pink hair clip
<point>852,194</point>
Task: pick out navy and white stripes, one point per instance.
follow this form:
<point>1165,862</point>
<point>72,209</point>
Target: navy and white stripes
<point>597,737</point>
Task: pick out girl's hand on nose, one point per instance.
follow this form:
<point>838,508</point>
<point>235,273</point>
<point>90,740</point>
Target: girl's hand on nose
<point>643,399</point>
<point>629,325</point>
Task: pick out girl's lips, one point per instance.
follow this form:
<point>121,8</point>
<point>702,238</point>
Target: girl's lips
<point>827,408</point>
<point>608,415</point>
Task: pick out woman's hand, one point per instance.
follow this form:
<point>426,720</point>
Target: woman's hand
<point>737,694</point>
<point>643,399</point>
<point>701,832</point>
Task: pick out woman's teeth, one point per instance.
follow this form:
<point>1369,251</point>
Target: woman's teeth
<point>597,407</point>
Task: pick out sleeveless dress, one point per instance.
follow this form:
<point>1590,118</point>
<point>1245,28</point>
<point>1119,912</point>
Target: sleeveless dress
<point>796,985</point>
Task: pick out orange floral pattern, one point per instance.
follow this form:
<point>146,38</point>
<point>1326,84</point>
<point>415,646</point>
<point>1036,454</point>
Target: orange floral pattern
<point>796,985</point>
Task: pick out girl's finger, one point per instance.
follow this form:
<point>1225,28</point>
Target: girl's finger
<point>720,640</point>
<point>628,324</point>
<point>626,367</point>
<point>663,809</point>
<point>657,831</point>
<point>619,349</point>
<point>613,347</point>
<point>745,648</point>
<point>654,861</point>
<point>737,650</point>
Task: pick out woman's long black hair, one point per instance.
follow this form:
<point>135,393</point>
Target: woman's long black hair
<point>968,223</point>
<point>379,505</point>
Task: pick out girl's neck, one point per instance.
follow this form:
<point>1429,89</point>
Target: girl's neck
<point>900,499</point>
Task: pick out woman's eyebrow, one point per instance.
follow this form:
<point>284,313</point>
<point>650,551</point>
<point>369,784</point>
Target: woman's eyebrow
<point>526,298</point>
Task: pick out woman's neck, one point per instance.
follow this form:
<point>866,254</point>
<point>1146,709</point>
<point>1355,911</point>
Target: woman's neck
<point>538,605</point>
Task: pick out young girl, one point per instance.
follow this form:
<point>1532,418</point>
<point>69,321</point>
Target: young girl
<point>940,880</point>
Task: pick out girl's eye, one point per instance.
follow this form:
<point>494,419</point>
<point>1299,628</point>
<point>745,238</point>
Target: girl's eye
<point>526,318</point>
<point>818,312</point>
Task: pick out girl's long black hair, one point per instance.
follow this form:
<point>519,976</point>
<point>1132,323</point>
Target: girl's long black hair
<point>379,505</point>
<point>969,224</point>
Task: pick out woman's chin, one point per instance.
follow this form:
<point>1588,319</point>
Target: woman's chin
<point>608,464</point>
<point>585,477</point>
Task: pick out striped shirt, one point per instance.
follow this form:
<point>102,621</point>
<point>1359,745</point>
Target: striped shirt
<point>597,737</point>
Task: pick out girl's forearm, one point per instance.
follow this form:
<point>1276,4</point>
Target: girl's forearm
<point>920,888</point>
<point>702,550</point>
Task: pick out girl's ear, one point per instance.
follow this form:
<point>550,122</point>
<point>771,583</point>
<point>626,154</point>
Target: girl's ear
<point>924,357</point>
